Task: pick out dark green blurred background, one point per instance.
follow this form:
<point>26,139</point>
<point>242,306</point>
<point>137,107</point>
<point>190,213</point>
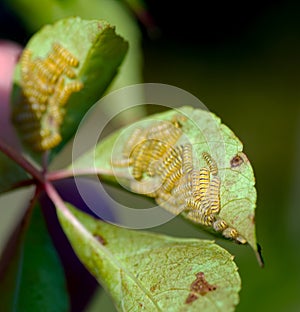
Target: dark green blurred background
<point>242,60</point>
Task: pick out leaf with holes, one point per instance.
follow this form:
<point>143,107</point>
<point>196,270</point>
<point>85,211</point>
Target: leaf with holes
<point>151,272</point>
<point>213,185</point>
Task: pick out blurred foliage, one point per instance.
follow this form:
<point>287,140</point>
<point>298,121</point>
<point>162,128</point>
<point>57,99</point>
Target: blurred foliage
<point>243,63</point>
<point>32,278</point>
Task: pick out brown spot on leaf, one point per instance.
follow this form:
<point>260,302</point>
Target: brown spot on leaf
<point>191,298</point>
<point>236,161</point>
<point>153,287</point>
<point>199,287</point>
<point>100,239</point>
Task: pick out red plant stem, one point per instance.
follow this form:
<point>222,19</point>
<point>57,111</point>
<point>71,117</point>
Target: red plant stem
<point>62,174</point>
<point>22,183</point>
<point>55,197</point>
<point>21,160</point>
<point>61,206</point>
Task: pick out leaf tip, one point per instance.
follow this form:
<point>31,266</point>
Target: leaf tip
<point>258,253</point>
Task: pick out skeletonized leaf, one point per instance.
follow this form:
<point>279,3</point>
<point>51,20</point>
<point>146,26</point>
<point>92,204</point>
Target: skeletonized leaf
<point>31,275</point>
<point>230,182</point>
<point>64,69</point>
<point>143,271</point>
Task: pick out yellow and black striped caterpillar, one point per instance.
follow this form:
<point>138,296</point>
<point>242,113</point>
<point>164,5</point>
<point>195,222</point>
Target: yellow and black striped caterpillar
<point>156,152</point>
<point>47,84</point>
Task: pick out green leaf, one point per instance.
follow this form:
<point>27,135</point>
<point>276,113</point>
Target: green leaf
<point>31,275</point>
<point>151,272</point>
<point>10,173</point>
<point>115,12</point>
<point>206,133</point>
<point>99,51</point>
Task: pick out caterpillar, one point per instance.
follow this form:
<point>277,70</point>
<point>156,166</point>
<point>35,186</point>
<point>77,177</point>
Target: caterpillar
<point>148,188</point>
<point>52,139</point>
<point>26,61</point>
<point>178,120</point>
<point>168,202</point>
<point>150,154</point>
<point>135,137</point>
<point>220,225</point>
<point>67,90</point>
<point>165,131</point>
<point>140,159</point>
<point>199,217</point>
<point>200,183</point>
<point>155,151</point>
<point>187,155</point>
<point>171,164</point>
<point>146,146</point>
<point>214,195</point>
<point>172,158</point>
<point>47,71</point>
<point>210,163</point>
<point>35,96</point>
<point>44,87</point>
<point>64,54</point>
<point>45,91</point>
<point>172,180</point>
<point>183,189</point>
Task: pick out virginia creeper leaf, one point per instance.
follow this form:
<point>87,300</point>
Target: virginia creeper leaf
<point>114,11</point>
<point>99,51</point>
<point>31,275</point>
<point>152,272</point>
<point>206,133</point>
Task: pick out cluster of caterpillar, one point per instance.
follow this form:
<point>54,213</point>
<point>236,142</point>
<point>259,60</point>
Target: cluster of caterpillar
<point>165,170</point>
<point>45,92</point>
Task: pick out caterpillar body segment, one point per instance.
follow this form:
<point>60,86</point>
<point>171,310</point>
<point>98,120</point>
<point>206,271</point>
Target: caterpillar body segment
<point>172,180</point>
<point>211,163</point>
<point>136,137</point>
<point>139,160</point>
<point>213,194</point>
<point>187,157</point>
